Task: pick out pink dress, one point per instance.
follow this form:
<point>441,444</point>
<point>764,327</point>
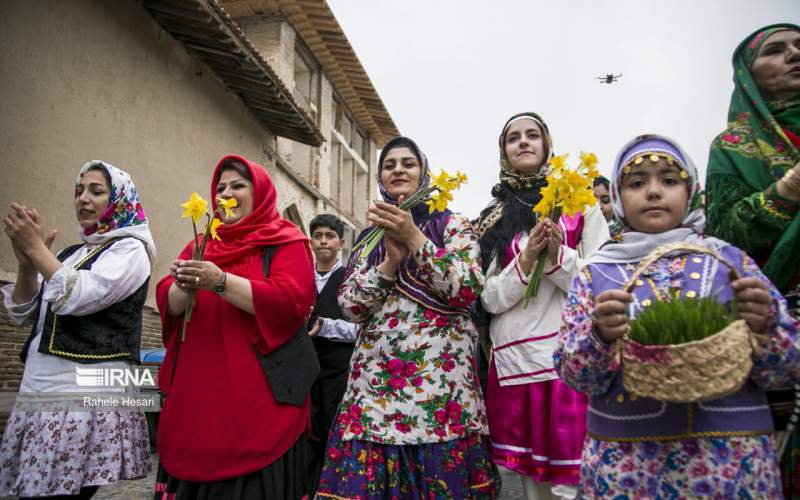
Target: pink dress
<point>537,424</point>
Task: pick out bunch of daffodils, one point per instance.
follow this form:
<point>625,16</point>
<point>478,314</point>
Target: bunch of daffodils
<point>436,196</point>
<point>567,192</point>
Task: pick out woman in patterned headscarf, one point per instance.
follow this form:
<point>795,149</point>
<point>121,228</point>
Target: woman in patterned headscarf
<point>85,304</point>
<point>537,424</point>
<point>754,165</point>
<point>412,423</point>
<point>753,178</point>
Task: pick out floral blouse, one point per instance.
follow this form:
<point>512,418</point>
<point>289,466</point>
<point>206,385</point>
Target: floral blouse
<point>726,467</point>
<point>413,376</point>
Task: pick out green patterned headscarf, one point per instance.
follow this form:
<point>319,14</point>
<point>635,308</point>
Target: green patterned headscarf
<point>756,148</point>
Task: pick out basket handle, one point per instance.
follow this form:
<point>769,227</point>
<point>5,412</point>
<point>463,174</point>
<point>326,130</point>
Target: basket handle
<point>681,248</point>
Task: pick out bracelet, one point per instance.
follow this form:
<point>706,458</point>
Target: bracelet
<point>222,284</point>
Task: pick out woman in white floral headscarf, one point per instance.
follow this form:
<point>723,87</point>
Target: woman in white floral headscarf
<point>85,304</point>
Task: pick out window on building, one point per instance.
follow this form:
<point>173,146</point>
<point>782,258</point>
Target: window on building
<point>305,78</point>
<point>292,213</point>
<point>347,129</point>
<point>358,142</point>
<point>361,196</point>
<point>336,161</point>
<point>349,240</point>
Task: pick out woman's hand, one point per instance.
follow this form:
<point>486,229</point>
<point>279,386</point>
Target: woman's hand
<point>611,314</point>
<point>753,303</point>
<point>789,185</point>
<point>24,228</point>
<point>316,328</point>
<point>398,223</point>
<point>396,253</point>
<point>554,239</point>
<point>191,275</point>
<point>537,241</point>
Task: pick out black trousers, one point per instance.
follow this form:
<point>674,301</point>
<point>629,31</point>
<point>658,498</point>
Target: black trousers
<point>326,394</point>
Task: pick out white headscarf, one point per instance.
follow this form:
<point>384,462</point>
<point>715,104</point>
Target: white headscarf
<point>633,246</point>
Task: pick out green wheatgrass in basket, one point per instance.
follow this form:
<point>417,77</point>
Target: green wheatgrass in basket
<point>682,320</point>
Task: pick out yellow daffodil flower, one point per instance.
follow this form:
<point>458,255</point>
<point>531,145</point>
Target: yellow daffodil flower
<point>431,202</point>
<point>227,205</point>
<point>195,207</point>
<point>461,178</point>
<point>215,223</point>
<point>547,201</point>
<point>438,201</point>
<point>578,202</point>
<point>442,181</point>
<point>559,162</point>
<point>588,160</point>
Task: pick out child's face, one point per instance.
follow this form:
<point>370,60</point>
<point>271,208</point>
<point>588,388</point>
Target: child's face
<point>325,243</point>
<point>604,200</point>
<point>654,196</point>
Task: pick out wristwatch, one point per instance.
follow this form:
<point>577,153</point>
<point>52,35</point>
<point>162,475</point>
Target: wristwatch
<point>219,288</point>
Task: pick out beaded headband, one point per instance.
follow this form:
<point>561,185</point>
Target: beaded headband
<point>655,157</point>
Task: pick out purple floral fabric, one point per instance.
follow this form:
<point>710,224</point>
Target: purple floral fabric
<point>457,469</point>
<point>739,467</point>
<point>56,453</point>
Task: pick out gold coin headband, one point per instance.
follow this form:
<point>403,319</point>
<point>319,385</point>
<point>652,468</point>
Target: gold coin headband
<point>654,158</point>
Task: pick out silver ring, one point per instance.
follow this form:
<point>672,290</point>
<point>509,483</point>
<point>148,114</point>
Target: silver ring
<point>197,280</point>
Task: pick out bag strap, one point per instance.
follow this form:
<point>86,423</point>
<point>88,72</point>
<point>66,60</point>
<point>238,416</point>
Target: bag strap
<point>266,258</point>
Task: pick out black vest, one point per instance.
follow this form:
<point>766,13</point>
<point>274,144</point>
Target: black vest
<point>327,303</point>
<point>331,353</point>
<point>109,335</point>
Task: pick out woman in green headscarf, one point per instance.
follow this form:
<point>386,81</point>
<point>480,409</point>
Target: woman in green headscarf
<point>753,178</point>
<point>753,185</point>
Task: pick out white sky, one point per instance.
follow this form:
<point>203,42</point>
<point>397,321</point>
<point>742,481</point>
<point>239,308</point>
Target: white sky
<point>451,72</point>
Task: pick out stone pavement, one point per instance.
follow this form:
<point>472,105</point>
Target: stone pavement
<point>143,488</point>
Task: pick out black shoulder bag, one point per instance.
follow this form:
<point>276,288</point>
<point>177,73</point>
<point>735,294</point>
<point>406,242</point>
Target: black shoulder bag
<point>292,368</point>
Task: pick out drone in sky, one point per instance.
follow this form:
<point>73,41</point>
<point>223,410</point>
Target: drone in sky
<point>609,78</point>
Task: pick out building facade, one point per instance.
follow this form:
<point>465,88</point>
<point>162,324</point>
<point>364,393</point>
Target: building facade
<point>163,89</point>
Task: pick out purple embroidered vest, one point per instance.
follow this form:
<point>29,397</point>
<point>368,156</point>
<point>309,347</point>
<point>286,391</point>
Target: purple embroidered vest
<point>619,416</point>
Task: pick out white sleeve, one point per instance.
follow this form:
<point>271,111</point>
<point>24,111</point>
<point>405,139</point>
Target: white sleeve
<point>116,274</point>
<point>20,313</point>
<point>338,330</point>
<point>594,233</point>
<point>504,290</point>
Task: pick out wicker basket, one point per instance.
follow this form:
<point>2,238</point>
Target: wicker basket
<point>700,370</point>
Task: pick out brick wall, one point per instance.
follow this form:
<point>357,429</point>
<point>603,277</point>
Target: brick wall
<point>13,337</point>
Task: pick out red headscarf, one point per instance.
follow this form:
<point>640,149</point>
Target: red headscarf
<point>261,228</point>
<point>241,428</point>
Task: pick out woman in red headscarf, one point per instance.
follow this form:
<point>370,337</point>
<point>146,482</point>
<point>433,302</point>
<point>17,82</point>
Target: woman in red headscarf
<point>222,431</point>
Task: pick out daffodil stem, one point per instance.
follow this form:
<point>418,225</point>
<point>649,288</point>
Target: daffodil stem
<point>205,238</point>
<point>197,254</point>
<point>196,241</point>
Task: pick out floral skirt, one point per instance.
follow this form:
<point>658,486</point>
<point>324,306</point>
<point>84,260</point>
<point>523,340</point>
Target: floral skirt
<point>459,469</point>
<point>733,467</point>
<point>56,453</point>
